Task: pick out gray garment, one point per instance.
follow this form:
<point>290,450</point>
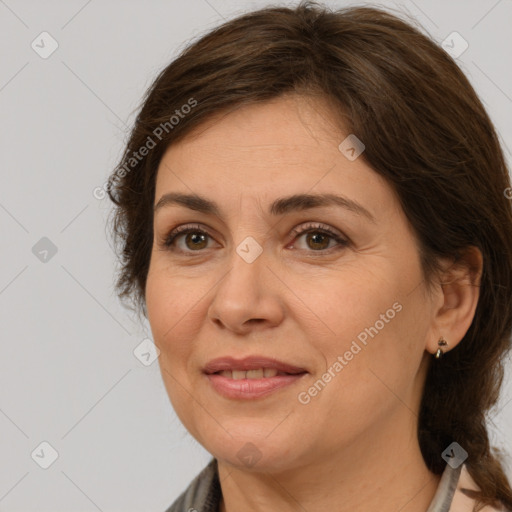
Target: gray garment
<point>204,492</point>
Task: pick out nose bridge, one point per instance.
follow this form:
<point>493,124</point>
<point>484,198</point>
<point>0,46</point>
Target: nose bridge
<point>249,231</point>
<point>246,292</point>
<point>247,265</point>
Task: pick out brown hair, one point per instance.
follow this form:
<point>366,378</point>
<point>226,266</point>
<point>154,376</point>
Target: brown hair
<point>425,131</point>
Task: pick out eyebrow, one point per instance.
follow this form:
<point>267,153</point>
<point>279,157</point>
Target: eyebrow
<point>281,206</point>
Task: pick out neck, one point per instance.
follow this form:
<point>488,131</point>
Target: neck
<point>388,474</point>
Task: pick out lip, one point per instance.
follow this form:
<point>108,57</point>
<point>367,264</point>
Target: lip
<point>250,389</point>
<point>250,363</point>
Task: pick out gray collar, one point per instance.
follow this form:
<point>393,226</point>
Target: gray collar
<point>204,492</point>
<point>443,497</point>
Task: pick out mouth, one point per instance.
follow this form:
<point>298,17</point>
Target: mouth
<point>260,373</point>
<point>251,378</point>
<point>256,367</point>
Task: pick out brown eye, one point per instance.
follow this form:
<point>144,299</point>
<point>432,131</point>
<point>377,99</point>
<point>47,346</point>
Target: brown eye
<point>318,237</point>
<point>197,240</point>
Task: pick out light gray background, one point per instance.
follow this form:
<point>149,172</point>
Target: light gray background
<point>68,372</point>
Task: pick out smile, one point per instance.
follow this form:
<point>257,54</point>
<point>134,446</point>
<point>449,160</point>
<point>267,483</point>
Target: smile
<point>251,374</point>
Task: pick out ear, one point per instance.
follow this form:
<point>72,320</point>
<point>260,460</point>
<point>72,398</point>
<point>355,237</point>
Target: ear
<point>457,299</point>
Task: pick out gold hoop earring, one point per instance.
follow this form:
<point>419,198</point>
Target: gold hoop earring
<point>442,343</point>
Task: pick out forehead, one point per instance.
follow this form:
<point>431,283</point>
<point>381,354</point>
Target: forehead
<point>290,119</point>
<point>282,147</point>
<point>291,130</point>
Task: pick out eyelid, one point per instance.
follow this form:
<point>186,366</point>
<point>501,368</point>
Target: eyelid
<point>312,225</point>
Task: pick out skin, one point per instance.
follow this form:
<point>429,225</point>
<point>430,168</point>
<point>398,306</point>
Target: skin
<point>353,447</point>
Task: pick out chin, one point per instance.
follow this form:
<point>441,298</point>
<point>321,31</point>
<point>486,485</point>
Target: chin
<point>255,453</point>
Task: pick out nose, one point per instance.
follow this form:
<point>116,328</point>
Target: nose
<point>248,296</point>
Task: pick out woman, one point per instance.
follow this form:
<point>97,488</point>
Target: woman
<point>314,219</point>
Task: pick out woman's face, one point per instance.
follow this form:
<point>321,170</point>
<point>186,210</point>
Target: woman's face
<point>351,308</point>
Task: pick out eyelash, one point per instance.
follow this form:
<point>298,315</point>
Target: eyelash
<point>309,228</point>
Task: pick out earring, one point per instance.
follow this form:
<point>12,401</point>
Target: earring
<point>441,343</point>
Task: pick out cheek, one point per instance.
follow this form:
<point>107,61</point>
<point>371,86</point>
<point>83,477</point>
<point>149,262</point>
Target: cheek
<point>170,314</point>
<point>375,325</point>
<point>364,382</point>
<point>357,300</point>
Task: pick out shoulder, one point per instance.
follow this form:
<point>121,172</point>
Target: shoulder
<point>463,503</point>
